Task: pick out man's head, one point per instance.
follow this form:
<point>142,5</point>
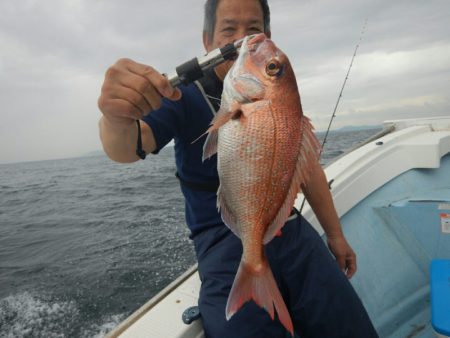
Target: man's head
<point>230,20</point>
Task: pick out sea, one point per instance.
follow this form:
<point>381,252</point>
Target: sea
<point>85,241</point>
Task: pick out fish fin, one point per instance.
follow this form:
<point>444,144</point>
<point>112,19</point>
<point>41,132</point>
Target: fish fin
<point>210,145</point>
<point>227,216</point>
<point>308,157</point>
<point>274,229</point>
<point>262,288</point>
<point>222,117</point>
<point>249,108</point>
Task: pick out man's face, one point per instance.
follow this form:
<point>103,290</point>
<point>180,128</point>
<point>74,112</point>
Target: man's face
<point>234,20</point>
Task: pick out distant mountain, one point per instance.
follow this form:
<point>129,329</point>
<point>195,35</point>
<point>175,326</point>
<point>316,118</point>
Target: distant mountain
<point>100,152</point>
<point>94,153</point>
<point>354,128</point>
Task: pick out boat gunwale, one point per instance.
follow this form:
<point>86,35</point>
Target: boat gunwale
<point>144,309</point>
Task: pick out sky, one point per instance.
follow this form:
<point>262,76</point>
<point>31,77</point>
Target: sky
<point>54,54</point>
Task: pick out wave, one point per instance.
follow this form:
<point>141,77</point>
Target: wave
<point>27,315</point>
<point>24,315</point>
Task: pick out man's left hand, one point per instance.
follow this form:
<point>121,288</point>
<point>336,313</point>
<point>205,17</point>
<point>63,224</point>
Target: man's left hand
<point>345,256</point>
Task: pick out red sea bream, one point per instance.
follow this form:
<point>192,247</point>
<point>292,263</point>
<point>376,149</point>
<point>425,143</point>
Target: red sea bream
<point>266,150</point>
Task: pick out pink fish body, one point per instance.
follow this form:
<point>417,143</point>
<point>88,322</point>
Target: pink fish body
<point>265,151</point>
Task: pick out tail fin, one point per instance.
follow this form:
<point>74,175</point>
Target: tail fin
<point>260,287</point>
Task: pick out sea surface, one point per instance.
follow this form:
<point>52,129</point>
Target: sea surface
<point>85,241</point>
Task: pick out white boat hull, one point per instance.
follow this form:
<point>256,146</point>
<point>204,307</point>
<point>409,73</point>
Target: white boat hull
<point>389,194</point>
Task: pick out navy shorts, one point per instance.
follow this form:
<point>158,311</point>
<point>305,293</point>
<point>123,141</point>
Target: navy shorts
<point>320,299</point>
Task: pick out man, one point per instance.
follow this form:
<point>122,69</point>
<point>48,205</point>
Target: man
<point>315,288</point>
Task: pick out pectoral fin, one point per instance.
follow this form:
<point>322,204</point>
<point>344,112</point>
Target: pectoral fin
<point>257,106</point>
<point>222,117</point>
<point>236,111</point>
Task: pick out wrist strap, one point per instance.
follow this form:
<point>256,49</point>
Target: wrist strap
<point>139,151</point>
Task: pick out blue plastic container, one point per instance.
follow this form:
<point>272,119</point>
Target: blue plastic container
<point>440,296</point>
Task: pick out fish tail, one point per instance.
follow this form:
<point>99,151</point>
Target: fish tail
<point>262,288</point>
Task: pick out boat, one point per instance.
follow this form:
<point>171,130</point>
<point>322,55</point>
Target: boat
<point>392,194</point>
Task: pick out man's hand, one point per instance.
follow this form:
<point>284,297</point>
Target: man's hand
<point>130,91</point>
<point>345,256</point>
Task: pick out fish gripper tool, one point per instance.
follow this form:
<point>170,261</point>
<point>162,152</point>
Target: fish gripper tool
<point>194,69</point>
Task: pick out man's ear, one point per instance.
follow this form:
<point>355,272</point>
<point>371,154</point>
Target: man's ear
<point>206,42</point>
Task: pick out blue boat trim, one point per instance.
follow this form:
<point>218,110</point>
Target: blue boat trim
<point>440,296</point>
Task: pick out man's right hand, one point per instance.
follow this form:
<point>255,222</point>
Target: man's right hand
<point>130,91</point>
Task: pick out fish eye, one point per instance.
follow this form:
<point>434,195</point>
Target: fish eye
<point>273,68</point>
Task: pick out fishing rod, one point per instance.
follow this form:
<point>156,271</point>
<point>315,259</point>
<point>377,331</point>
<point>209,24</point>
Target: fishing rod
<point>342,89</point>
<point>337,104</point>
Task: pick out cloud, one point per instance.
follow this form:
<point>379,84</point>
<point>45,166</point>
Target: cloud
<point>55,58</point>
<point>399,62</point>
<point>55,53</point>
<point>380,82</point>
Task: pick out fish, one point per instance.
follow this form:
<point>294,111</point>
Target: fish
<point>266,150</point>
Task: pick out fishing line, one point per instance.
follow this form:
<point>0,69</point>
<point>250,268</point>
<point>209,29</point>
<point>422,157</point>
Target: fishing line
<point>337,102</point>
<point>212,97</point>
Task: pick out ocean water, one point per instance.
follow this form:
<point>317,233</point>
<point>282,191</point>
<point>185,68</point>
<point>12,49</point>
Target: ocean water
<point>85,241</point>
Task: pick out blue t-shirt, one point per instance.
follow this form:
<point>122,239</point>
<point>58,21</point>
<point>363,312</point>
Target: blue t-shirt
<point>185,121</point>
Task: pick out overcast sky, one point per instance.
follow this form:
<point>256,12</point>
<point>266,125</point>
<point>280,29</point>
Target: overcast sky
<point>54,54</point>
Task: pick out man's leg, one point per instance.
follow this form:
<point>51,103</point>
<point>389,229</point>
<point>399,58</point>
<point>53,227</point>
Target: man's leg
<point>219,253</point>
<point>322,301</point>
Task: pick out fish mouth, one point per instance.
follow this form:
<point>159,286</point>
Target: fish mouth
<point>251,43</point>
<point>255,39</point>
<point>241,84</point>
<point>243,52</point>
<point>241,78</point>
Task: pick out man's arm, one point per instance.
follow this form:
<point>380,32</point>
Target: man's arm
<point>130,91</point>
<point>119,139</point>
<point>319,198</point>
